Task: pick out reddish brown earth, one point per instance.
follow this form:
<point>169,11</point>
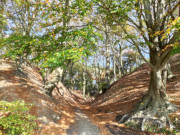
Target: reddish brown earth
<point>124,94</point>
<point>57,114</point>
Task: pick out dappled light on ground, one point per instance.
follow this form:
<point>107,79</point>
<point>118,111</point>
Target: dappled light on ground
<point>68,111</point>
<point>55,115</point>
<point>107,110</point>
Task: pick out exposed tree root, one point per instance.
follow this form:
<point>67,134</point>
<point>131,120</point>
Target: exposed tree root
<point>150,115</point>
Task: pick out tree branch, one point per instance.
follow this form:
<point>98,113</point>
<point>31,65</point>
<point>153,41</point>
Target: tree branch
<point>139,28</point>
<point>169,12</point>
<point>165,59</point>
<point>139,51</point>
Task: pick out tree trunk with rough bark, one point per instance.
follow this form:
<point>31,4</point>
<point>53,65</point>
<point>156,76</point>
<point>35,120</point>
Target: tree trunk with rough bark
<point>50,85</point>
<point>19,63</point>
<point>153,110</point>
<point>155,107</point>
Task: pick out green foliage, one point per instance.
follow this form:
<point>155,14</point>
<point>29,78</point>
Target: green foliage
<point>2,21</point>
<point>78,44</point>
<point>58,43</point>
<point>176,130</point>
<point>18,121</point>
<point>15,46</point>
<point>176,25</point>
<point>166,131</point>
<point>175,50</point>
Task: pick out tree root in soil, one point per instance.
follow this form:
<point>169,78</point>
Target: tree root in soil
<point>150,117</point>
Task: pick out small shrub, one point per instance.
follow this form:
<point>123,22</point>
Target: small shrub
<point>176,130</point>
<point>166,131</point>
<point>16,120</point>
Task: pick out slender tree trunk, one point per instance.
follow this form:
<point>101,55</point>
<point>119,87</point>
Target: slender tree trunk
<point>107,59</point>
<point>87,80</point>
<point>130,67</point>
<point>99,79</point>
<point>65,19</point>
<point>65,71</point>
<point>121,68</point>
<point>84,83</point>
<point>71,75</point>
<point>114,68</point>
<point>95,67</point>
<point>169,71</point>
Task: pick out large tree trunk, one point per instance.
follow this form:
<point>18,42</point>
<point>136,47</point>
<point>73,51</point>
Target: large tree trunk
<point>153,110</point>
<point>157,96</point>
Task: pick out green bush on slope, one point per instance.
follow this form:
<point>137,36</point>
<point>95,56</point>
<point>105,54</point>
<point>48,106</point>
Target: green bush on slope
<point>14,119</point>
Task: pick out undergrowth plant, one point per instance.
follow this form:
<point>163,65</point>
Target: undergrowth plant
<point>16,120</point>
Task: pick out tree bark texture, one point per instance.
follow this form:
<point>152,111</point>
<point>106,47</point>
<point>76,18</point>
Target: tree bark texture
<point>107,59</point>
<point>84,83</point>
<point>153,110</point>
<point>50,85</point>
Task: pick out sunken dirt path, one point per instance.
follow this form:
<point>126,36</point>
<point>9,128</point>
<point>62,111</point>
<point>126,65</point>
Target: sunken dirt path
<point>83,125</point>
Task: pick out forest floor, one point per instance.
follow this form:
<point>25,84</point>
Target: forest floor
<point>68,112</point>
<point>122,96</point>
<point>82,126</point>
<point>55,115</point>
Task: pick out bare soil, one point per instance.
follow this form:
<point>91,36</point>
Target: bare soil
<point>69,113</point>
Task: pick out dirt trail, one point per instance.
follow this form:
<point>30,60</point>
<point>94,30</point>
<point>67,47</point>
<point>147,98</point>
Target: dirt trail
<point>83,125</point>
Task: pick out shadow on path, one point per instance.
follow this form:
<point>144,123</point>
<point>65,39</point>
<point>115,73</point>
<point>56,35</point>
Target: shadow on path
<point>83,126</point>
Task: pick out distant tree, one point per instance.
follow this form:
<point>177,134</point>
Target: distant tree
<point>130,58</point>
